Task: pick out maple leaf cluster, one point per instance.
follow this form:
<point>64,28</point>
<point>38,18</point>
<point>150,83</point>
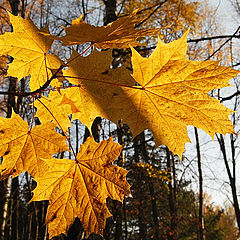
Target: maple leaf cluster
<point>165,93</point>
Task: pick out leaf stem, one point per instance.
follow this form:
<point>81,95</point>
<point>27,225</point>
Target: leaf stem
<point>79,54</point>
<point>31,126</point>
<point>94,80</point>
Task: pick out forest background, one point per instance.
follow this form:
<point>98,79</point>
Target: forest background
<point>169,200</point>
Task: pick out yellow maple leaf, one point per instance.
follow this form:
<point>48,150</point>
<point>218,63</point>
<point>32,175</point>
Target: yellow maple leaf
<point>96,84</point>
<point>51,109</point>
<point>118,34</point>
<point>29,49</point>
<point>172,93</point>
<point>79,188</point>
<point>22,149</point>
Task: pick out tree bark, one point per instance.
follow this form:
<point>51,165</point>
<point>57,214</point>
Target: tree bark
<point>110,11</point>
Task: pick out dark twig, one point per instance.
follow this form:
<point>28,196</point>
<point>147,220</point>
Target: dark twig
<point>235,33</point>
<point>124,53</point>
<point>144,20</point>
<point>230,97</point>
<point>212,38</point>
<point>37,91</point>
<point>47,83</point>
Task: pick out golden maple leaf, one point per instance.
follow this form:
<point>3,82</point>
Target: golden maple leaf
<point>50,109</point>
<point>95,87</point>
<point>118,34</point>
<point>29,49</point>
<point>172,93</point>
<point>22,149</point>
<point>79,188</point>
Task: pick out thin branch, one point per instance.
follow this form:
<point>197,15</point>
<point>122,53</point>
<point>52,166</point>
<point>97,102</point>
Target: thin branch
<point>124,53</point>
<point>235,33</point>
<point>213,37</point>
<point>230,97</point>
<point>38,91</point>
<point>144,20</point>
<point>47,83</point>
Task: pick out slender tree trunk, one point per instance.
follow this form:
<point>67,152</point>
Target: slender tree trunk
<point>117,205</point>
<point>232,180</point>
<point>15,208</point>
<point>125,220</point>
<point>5,208</point>
<point>96,127</point>
<point>152,192</point>
<point>109,16</point>
<point>175,195</point>
<point>139,193</point>
<point>5,201</point>
<point>86,134</point>
<point>30,227</point>
<point>172,235</point>
<point>5,190</point>
<point>200,213</point>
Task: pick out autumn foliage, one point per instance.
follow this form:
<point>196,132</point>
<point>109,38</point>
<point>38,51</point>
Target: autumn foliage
<point>165,93</point>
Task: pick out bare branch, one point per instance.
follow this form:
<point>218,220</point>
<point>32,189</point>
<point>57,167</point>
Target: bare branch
<point>230,97</point>
<point>37,91</point>
<point>143,21</point>
<point>212,38</point>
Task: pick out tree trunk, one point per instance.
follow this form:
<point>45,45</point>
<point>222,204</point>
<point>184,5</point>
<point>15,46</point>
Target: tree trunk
<point>10,104</point>
<point>110,11</point>
<point>200,212</point>
<point>15,208</point>
<point>117,216</point>
<point>152,192</point>
<point>5,207</point>
<point>139,193</point>
<point>172,235</point>
<point>109,16</point>
<point>232,180</point>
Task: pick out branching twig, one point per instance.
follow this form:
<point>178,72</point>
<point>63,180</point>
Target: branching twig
<point>235,33</point>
